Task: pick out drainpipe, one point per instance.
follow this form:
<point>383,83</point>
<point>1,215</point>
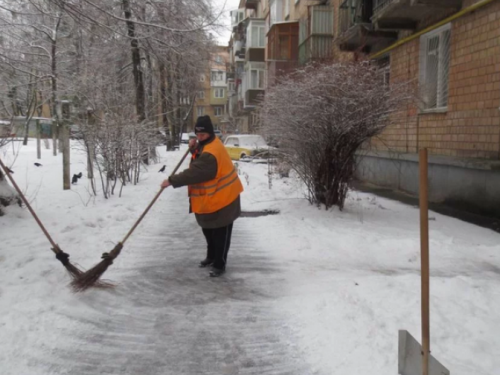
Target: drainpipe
<point>458,15</point>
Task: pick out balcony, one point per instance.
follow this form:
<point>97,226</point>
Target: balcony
<point>283,41</point>
<point>316,34</point>
<point>251,4</point>
<point>356,30</point>
<point>255,40</point>
<point>253,83</point>
<point>407,14</point>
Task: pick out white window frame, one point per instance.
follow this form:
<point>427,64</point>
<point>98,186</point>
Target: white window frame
<point>237,16</point>
<point>260,73</point>
<point>201,94</point>
<point>200,111</point>
<point>219,76</point>
<point>261,34</point>
<point>443,71</point>
<point>218,109</point>
<point>219,93</point>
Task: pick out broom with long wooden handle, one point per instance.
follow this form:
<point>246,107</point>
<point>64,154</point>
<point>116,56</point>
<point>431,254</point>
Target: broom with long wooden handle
<point>60,255</point>
<point>89,278</point>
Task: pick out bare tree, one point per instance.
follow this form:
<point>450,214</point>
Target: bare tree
<point>322,115</point>
<point>133,64</point>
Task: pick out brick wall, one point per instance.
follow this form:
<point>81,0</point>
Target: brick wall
<point>471,126</point>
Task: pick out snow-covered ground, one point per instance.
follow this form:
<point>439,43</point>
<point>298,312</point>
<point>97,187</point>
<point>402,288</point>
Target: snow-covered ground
<point>325,291</point>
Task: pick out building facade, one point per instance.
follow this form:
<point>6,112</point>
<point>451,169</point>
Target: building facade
<point>212,97</point>
<point>450,50</point>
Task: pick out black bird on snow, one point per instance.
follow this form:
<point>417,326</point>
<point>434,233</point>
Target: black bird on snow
<point>75,178</point>
<point>37,164</point>
<point>162,169</point>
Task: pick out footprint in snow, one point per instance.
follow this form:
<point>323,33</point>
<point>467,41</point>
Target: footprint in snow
<point>90,224</point>
<point>67,229</point>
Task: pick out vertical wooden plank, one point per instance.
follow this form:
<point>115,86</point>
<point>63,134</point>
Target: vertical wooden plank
<point>424,245</point>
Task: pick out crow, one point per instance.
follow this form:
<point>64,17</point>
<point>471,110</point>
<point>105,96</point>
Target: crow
<point>75,178</point>
<point>162,169</point>
<point>37,164</point>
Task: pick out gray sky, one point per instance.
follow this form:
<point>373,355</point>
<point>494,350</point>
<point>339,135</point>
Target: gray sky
<point>225,34</point>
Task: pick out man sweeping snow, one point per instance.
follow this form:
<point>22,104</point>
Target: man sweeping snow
<point>214,192</point>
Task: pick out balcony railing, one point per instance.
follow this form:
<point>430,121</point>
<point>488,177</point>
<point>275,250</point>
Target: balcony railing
<point>353,13</point>
<point>407,14</point>
<point>316,34</point>
<point>357,32</point>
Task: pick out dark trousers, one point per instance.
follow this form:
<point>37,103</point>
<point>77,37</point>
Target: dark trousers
<point>218,242</point>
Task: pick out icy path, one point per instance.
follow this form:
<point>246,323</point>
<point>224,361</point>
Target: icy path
<point>168,317</point>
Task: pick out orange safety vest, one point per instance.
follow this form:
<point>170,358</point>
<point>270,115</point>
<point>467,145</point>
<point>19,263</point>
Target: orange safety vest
<point>211,196</point>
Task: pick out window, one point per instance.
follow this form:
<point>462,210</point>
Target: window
<point>218,59</point>
<point>287,8</point>
<point>230,86</point>
<point>257,79</point>
<point>219,93</point>
<point>201,94</point>
<point>219,111</point>
<point>256,35</point>
<point>200,111</point>
<point>217,75</point>
<point>276,11</point>
<point>237,16</point>
<point>231,141</point>
<point>435,67</point>
<point>202,77</point>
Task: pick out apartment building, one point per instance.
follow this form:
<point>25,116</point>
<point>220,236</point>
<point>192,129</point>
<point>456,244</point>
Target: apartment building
<point>450,50</point>
<point>212,97</point>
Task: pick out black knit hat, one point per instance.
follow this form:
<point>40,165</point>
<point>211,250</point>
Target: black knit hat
<point>204,125</point>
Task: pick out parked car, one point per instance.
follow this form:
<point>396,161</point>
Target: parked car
<point>246,145</point>
<point>185,138</point>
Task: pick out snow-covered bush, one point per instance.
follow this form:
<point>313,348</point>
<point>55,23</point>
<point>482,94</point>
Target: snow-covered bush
<point>321,115</point>
<point>8,195</point>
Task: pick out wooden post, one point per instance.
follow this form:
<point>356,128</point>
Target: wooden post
<point>424,246</point>
<point>65,146</point>
<point>38,140</point>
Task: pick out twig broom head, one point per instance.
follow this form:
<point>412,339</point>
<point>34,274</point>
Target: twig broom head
<point>63,257</point>
<point>91,278</point>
